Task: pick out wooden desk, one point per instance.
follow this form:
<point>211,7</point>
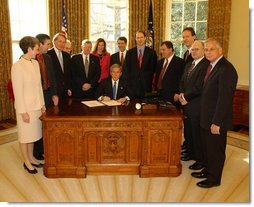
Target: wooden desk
<point>241,106</point>
<point>111,140</point>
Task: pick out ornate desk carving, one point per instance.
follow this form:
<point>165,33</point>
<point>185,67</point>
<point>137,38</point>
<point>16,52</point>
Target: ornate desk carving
<point>111,140</point>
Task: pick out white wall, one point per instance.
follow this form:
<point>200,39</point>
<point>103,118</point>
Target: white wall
<point>239,43</point>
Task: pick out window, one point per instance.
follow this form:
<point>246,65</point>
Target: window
<point>108,20</point>
<point>187,13</point>
<point>28,17</point>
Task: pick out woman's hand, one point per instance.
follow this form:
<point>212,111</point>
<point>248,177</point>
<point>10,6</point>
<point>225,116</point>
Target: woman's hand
<point>43,109</point>
<point>25,117</point>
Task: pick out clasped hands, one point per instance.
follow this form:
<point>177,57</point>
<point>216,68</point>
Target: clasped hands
<point>86,86</point>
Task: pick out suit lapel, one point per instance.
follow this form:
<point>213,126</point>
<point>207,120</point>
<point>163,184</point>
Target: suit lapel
<point>215,69</point>
<point>196,68</point>
<point>56,58</point>
<point>117,57</point>
<point>169,68</point>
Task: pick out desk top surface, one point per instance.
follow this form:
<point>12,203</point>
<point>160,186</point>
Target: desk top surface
<point>74,109</point>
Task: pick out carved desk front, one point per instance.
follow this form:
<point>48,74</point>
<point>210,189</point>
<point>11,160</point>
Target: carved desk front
<point>79,140</point>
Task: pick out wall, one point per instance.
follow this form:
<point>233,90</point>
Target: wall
<point>239,44</point>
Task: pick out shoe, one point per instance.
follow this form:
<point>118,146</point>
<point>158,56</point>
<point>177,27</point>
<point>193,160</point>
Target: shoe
<point>39,157</point>
<point>200,174</point>
<point>34,171</point>
<point>184,147</point>
<point>37,165</point>
<point>196,166</point>
<point>207,184</point>
<point>186,158</point>
<point>184,153</point>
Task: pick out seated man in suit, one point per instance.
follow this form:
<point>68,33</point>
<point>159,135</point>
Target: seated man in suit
<point>113,87</point>
<point>86,72</point>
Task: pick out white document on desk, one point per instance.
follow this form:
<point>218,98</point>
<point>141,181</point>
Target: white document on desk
<point>92,103</point>
<point>111,103</point>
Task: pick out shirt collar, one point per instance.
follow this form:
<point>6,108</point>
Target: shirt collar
<point>198,60</point>
<point>215,62</point>
<point>113,81</point>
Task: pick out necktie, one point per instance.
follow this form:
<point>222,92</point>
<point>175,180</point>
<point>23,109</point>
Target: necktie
<point>86,66</point>
<point>208,71</point>
<point>190,69</point>
<point>45,81</point>
<point>161,74</point>
<point>114,90</point>
<point>60,57</point>
<point>140,57</point>
<point>187,55</point>
<point>121,59</point>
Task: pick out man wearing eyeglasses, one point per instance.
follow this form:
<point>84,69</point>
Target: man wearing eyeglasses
<point>191,86</point>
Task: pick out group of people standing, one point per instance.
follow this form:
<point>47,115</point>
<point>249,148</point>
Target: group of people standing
<point>206,94</point>
<point>202,84</point>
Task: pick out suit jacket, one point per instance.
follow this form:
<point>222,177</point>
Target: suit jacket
<point>79,76</point>
<point>51,77</point>
<point>63,79</point>
<point>139,79</point>
<point>115,59</point>
<point>105,88</point>
<point>217,96</point>
<point>192,86</point>
<point>26,82</point>
<point>171,79</point>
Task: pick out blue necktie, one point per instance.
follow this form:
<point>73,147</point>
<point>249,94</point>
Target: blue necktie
<point>114,90</point>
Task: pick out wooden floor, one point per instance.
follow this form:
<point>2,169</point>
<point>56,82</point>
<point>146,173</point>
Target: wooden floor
<point>17,185</point>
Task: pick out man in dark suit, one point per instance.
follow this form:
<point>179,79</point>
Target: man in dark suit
<point>61,63</point>
<point>190,95</point>
<point>169,71</point>
<point>139,67</point>
<point>216,112</point>
<point>86,72</point>
<point>48,84</point>
<point>119,57</point>
<point>113,87</point>
<point>189,37</point>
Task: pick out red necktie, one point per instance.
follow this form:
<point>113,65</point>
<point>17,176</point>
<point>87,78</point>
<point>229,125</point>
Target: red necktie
<point>161,74</point>
<point>45,81</point>
<point>208,71</point>
<point>187,55</point>
<point>140,57</point>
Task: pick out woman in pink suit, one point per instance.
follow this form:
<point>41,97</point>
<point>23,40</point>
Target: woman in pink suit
<point>101,51</point>
<point>29,101</point>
